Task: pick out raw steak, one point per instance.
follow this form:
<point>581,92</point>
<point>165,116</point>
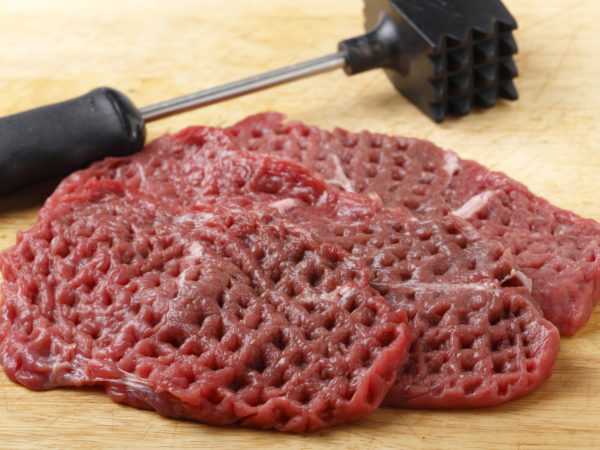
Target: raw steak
<point>477,341</point>
<point>557,250</point>
<point>216,314</point>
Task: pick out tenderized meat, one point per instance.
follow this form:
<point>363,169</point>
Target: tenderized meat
<point>214,313</point>
<point>478,341</point>
<point>556,249</point>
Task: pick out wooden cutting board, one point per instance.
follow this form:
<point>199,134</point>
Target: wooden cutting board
<point>154,50</point>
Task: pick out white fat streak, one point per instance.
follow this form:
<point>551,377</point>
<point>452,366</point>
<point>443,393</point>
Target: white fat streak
<point>197,218</point>
<point>444,287</point>
<point>72,372</point>
<point>524,279</point>
<point>375,197</point>
<point>322,199</point>
<point>62,372</point>
<point>340,177</point>
<point>451,163</point>
<point>128,380</point>
<point>341,292</point>
<point>59,369</point>
<point>284,205</point>
<point>440,287</point>
<point>195,252</point>
<point>142,173</point>
<point>474,204</point>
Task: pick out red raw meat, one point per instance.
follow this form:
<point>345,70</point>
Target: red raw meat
<point>477,341</point>
<point>197,310</point>
<point>556,249</point>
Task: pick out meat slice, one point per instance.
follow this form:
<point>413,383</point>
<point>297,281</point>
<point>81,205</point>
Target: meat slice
<point>211,314</point>
<point>556,249</point>
<point>478,341</point>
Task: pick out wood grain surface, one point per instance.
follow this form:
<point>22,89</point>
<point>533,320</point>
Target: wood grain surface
<point>154,50</point>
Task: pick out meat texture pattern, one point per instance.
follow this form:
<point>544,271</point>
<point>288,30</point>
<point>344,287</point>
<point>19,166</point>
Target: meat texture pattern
<point>203,309</point>
<point>478,337</point>
<point>556,249</point>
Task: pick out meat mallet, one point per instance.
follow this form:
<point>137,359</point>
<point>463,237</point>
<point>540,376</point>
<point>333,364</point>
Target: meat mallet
<point>445,56</point>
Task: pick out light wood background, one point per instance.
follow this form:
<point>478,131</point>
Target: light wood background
<point>154,50</point>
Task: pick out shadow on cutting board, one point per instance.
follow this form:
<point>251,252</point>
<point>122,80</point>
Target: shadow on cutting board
<point>29,197</point>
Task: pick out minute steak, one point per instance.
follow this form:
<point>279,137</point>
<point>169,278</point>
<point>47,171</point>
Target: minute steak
<point>223,315</point>
<point>558,250</point>
<point>477,341</point>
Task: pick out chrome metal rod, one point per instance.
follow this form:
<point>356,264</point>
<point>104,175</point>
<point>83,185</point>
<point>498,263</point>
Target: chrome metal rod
<point>241,87</point>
